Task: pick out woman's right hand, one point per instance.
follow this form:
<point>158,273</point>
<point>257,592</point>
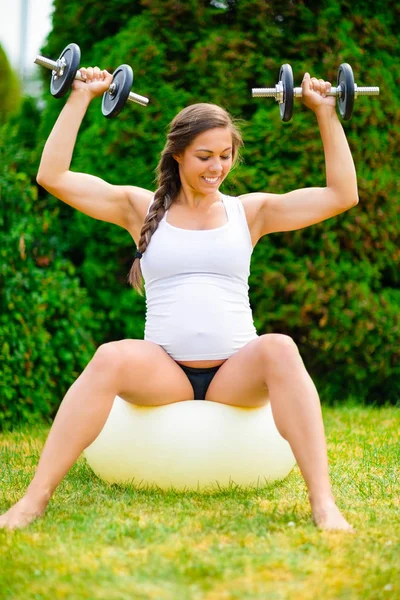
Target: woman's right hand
<point>96,82</point>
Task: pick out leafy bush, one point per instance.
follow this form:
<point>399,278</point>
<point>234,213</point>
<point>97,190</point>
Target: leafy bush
<point>46,321</point>
<point>333,287</point>
<point>10,93</point>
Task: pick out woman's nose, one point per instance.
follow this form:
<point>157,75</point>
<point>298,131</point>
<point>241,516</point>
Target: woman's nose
<point>216,167</point>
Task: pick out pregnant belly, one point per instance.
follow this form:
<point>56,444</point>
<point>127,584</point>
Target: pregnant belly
<point>199,332</point>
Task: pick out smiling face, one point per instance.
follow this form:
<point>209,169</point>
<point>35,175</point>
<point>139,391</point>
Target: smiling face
<point>206,162</point>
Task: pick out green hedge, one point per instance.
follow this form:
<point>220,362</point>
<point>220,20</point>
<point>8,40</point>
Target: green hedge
<point>10,92</point>
<point>46,321</point>
<point>333,287</point>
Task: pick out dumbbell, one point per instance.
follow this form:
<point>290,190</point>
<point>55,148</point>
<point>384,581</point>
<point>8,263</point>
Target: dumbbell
<point>346,91</point>
<point>66,69</point>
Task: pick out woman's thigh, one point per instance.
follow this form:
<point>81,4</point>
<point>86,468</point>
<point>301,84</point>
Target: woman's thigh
<point>144,373</point>
<point>243,379</point>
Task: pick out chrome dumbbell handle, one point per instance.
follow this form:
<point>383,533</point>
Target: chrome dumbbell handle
<point>58,66</point>
<point>337,91</point>
<point>277,92</point>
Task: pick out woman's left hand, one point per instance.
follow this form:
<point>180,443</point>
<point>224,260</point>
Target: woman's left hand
<point>314,93</point>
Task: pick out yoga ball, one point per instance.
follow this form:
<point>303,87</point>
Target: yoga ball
<point>190,445</point>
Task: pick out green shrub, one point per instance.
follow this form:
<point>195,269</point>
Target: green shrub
<point>46,321</point>
<point>10,93</point>
<point>333,287</point>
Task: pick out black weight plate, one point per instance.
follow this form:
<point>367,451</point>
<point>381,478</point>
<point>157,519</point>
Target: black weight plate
<point>346,99</point>
<point>286,108</point>
<point>114,101</point>
<point>59,86</point>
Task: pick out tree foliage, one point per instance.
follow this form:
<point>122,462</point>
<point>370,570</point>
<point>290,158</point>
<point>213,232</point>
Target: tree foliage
<point>334,287</point>
<point>46,322</point>
<point>10,93</point>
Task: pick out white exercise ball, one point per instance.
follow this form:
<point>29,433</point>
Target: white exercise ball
<point>190,445</point>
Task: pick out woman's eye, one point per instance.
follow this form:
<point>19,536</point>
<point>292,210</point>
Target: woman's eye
<point>206,158</point>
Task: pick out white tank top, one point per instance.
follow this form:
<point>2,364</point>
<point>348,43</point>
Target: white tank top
<point>196,284</point>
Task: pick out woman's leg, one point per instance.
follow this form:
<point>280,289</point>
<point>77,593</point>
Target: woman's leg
<point>270,368</point>
<point>121,368</point>
<point>297,413</point>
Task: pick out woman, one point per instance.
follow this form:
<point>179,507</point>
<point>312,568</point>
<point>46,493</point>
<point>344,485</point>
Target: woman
<point>199,327</point>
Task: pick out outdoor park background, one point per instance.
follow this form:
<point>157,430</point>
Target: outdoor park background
<point>334,287</point>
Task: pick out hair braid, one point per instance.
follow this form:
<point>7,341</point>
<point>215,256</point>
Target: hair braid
<point>168,186</point>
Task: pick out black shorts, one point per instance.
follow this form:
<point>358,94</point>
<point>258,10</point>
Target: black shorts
<point>200,378</point>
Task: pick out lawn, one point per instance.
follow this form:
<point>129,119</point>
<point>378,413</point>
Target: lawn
<point>112,542</point>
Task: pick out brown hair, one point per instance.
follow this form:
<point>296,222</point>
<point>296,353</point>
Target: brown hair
<point>187,124</point>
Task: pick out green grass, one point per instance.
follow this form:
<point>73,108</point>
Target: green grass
<point>110,542</point>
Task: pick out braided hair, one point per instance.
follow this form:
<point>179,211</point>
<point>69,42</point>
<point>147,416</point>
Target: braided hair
<point>187,124</point>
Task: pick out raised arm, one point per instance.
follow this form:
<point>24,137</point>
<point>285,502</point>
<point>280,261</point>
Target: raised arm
<point>307,206</point>
<point>87,193</point>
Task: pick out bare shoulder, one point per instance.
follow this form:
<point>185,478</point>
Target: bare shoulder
<point>139,200</point>
<point>253,204</point>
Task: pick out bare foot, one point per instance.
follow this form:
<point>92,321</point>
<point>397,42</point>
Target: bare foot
<point>22,513</point>
<point>327,516</point>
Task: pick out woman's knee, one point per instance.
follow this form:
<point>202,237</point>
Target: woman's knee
<point>107,358</point>
<point>279,347</point>
<point>116,357</point>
